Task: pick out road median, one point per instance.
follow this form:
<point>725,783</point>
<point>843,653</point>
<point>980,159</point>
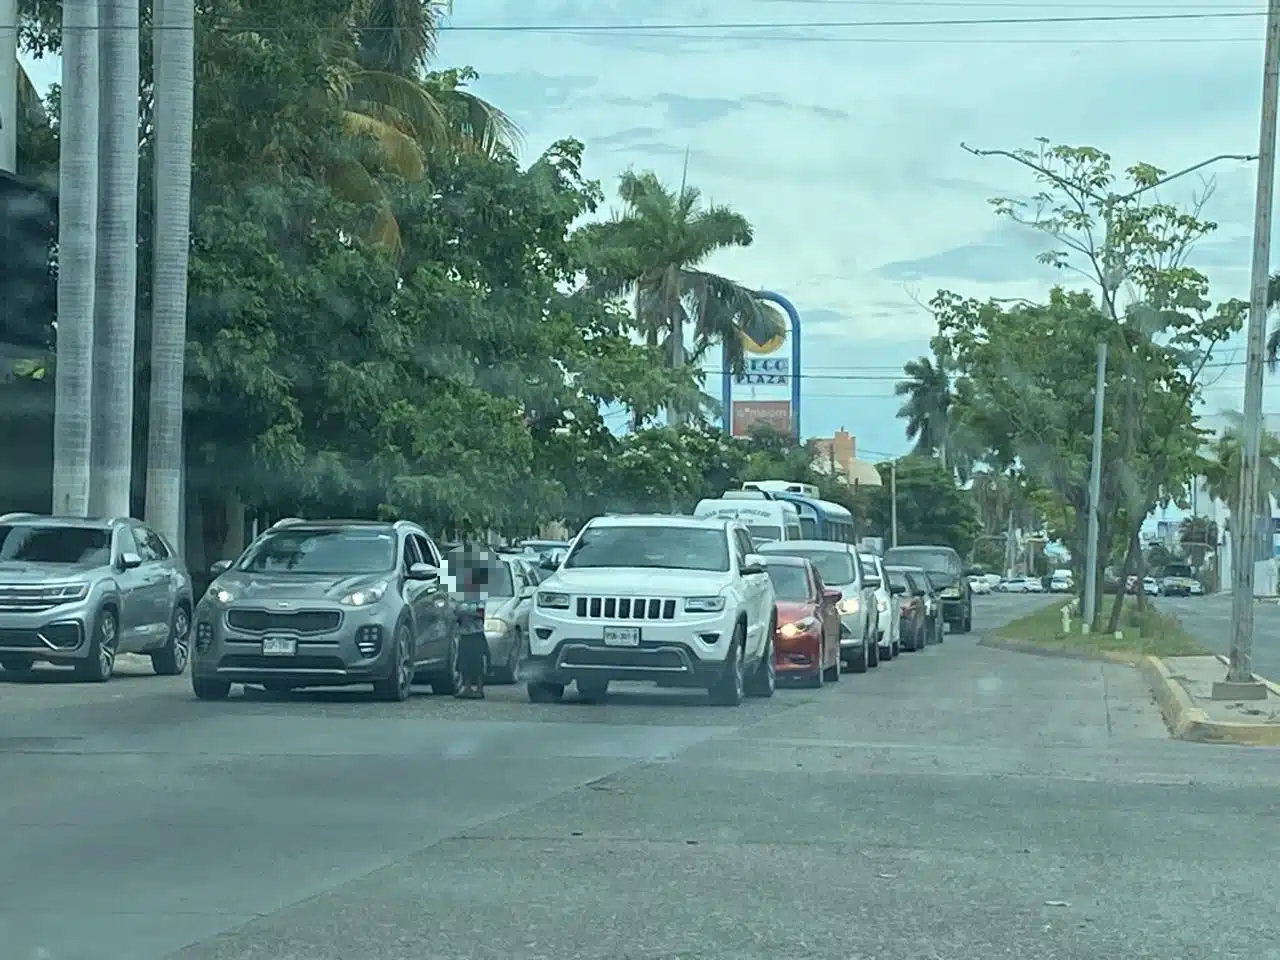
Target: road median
<point>1178,669</point>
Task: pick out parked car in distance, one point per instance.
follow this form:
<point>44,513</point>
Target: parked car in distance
<point>806,643</point>
<point>325,603</point>
<point>934,618</point>
<point>1178,580</point>
<point>979,586</point>
<point>77,592</point>
<point>947,574</point>
<point>886,613</point>
<point>1062,581</point>
<point>911,614</point>
<point>1020,585</point>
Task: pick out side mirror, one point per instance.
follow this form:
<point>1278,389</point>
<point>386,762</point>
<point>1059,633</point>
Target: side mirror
<point>754,564</point>
<point>221,567</point>
<point>130,561</point>
<point>424,572</point>
<point>897,589</point>
<point>871,583</point>
<point>832,596</point>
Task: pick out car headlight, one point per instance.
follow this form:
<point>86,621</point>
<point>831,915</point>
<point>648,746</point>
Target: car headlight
<point>703,604</point>
<point>803,625</point>
<point>69,593</point>
<point>848,606</point>
<point>364,597</point>
<point>553,601</point>
<point>495,625</point>
<point>222,595</point>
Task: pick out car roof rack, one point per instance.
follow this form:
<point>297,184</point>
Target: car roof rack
<point>286,522</point>
<point>20,515</point>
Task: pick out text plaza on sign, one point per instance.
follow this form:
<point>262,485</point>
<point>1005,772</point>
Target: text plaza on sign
<point>765,371</point>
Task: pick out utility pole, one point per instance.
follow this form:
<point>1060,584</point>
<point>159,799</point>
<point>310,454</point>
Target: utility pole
<point>9,86</point>
<point>893,503</point>
<point>1111,275</point>
<point>1090,611</point>
<point>1240,683</point>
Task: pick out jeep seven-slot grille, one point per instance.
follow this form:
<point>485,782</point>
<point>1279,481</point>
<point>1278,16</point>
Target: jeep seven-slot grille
<point>626,608</point>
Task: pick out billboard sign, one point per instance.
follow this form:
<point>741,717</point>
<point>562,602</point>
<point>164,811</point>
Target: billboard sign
<point>765,371</point>
<point>748,413</point>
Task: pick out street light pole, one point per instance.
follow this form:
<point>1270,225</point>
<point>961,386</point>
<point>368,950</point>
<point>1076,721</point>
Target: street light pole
<point>1240,683</point>
<point>1090,611</point>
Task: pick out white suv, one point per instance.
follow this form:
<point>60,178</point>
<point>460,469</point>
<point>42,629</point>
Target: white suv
<point>677,601</point>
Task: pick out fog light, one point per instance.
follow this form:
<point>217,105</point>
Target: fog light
<point>369,640</point>
<point>204,635</point>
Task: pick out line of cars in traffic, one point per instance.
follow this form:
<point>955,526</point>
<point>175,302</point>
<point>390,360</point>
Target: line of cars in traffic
<point>679,601</point>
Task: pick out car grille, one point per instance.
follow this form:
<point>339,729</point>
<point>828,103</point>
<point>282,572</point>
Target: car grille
<point>280,664</point>
<point>626,608</point>
<point>303,622</point>
<point>36,599</point>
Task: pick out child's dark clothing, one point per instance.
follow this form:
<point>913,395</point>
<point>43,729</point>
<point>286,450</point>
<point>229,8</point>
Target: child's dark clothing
<point>473,649</point>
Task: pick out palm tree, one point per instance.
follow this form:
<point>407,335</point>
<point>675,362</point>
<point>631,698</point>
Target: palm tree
<point>930,411</point>
<point>390,100</point>
<point>117,263</point>
<point>654,250</point>
<point>173,56</point>
<point>1221,469</point>
<point>77,241</point>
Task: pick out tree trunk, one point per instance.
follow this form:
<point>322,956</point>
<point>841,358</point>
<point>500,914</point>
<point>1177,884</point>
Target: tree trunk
<point>1130,564</point>
<point>173,46</point>
<point>9,85</point>
<point>117,265</point>
<point>77,240</point>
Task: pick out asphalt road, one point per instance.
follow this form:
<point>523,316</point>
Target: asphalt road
<point>1208,619</point>
<point>963,803</point>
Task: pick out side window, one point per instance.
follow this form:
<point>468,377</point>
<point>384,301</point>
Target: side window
<point>428,550</point>
<point>819,588</point>
<point>411,554</point>
<point>125,543</point>
<point>741,546</point>
<point>152,544</point>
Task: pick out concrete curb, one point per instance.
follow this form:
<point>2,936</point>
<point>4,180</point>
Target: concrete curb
<point>1273,687</point>
<point>1186,721</point>
<point>1061,653</point>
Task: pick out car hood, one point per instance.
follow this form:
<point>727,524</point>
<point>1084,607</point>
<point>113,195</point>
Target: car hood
<point>637,582</point>
<point>267,587</point>
<point>790,611</point>
<point>21,573</point>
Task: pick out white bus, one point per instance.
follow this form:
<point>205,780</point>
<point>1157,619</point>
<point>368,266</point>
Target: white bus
<point>766,519</point>
<point>783,486</point>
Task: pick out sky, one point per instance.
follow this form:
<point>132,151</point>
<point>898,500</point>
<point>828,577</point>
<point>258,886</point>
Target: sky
<point>835,127</point>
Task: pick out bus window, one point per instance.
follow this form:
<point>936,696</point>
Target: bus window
<point>808,528</point>
<point>793,531</point>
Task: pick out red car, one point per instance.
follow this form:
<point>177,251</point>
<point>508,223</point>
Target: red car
<point>806,644</point>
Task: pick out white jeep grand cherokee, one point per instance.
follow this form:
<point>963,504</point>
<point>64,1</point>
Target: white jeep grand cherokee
<point>678,601</point>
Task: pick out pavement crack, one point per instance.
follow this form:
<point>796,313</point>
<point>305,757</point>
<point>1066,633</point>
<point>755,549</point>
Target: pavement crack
<point>1106,701</point>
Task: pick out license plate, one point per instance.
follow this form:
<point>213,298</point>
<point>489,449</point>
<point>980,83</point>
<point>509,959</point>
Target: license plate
<point>622,636</point>
<point>279,646</point>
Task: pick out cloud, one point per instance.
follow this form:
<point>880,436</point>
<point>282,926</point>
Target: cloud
<point>1004,255</point>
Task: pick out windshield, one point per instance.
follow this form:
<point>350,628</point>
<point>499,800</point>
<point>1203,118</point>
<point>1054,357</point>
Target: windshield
<point>1178,570</point>
<point>836,569</point>
<point>764,534</point>
<point>789,581</point>
<point>938,560</point>
<point>898,579</point>
<point>676,548</point>
<point>55,544</point>
<point>920,582</point>
<point>341,552</point>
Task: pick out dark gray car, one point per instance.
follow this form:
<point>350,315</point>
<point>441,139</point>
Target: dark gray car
<point>78,592</point>
<point>327,603</point>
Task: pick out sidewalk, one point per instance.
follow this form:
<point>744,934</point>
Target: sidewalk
<point>1183,687</point>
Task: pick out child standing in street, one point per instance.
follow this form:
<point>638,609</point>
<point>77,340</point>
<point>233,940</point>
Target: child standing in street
<point>473,649</point>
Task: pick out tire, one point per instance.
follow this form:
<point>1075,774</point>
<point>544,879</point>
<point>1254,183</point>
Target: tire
<point>593,691</point>
<point>396,686</point>
<point>885,653</point>
<point>506,674</point>
<point>100,664</point>
<point>545,692</point>
<point>730,687</point>
<point>858,664</point>
<point>448,681</point>
<point>764,679</point>
<point>897,648</point>
<point>16,664</point>
<point>172,659</point>
<point>965,624</point>
<point>832,673</point>
<point>206,689</point>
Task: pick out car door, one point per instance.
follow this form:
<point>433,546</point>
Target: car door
<point>418,599</point>
<point>137,603</point>
<point>164,581</point>
<point>759,612</point>
<point>439,619</point>
<point>828,616</point>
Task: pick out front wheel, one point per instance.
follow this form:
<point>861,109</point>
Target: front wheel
<point>873,654</point>
<point>764,680</point>
<point>448,681</point>
<point>206,689</point>
<point>730,687</point>
<point>858,662</point>
<point>396,686</point>
<point>100,664</point>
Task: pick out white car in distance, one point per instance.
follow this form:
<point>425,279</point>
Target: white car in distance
<point>677,601</point>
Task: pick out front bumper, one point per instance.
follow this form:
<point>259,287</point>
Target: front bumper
<point>59,634</point>
<point>358,648</point>
<point>670,663</point>
<point>953,609</point>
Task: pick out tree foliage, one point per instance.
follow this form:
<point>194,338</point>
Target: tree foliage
<point>931,508</point>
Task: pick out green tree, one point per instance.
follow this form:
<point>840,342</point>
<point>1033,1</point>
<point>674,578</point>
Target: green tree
<point>929,410</point>
<point>654,251</point>
<point>1221,468</point>
<point>931,508</point>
